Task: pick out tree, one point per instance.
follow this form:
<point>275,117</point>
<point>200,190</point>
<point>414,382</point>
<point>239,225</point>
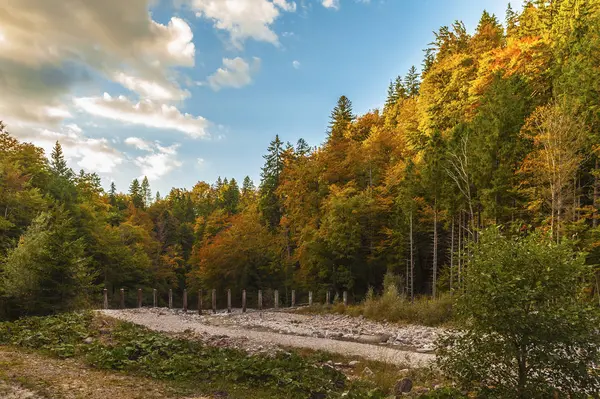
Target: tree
<point>58,164</point>
<point>145,192</point>
<point>112,194</point>
<point>340,118</point>
<point>558,138</point>
<point>135,193</point>
<point>412,82</point>
<point>269,203</point>
<point>528,331</point>
<point>47,272</point>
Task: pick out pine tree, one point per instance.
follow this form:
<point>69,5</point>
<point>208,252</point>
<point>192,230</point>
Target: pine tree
<point>302,148</point>
<point>58,164</point>
<point>391,97</point>
<point>231,197</point>
<point>270,205</point>
<point>146,193</point>
<point>135,193</point>
<point>412,82</point>
<point>112,194</point>
<point>340,118</point>
<point>157,198</point>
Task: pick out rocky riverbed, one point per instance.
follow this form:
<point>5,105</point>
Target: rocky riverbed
<point>269,331</point>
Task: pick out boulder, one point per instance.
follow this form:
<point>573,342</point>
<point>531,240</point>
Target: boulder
<point>403,386</point>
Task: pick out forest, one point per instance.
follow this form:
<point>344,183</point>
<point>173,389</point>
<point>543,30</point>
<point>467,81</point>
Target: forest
<point>498,127</point>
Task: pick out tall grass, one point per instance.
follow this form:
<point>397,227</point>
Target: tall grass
<point>392,306</point>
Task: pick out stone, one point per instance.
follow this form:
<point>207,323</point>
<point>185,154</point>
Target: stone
<point>88,340</point>
<point>367,371</point>
<point>403,386</point>
<point>353,363</point>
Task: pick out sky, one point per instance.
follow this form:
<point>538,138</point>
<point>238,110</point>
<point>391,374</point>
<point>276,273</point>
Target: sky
<point>188,90</point>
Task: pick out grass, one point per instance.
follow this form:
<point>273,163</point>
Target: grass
<point>124,347</point>
<point>396,308</point>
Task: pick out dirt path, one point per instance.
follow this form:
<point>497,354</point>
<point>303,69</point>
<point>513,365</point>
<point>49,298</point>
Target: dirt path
<point>32,376</point>
<point>171,321</point>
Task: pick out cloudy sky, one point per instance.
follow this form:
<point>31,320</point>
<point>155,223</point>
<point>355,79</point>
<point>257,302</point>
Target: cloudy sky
<point>188,90</point>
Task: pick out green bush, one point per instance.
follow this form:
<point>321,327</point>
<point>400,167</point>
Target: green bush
<point>528,332</point>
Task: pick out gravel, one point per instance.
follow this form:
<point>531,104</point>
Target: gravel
<point>268,331</point>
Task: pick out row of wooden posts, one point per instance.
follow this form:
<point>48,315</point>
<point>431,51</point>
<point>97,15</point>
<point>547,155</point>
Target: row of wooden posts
<point>214,299</point>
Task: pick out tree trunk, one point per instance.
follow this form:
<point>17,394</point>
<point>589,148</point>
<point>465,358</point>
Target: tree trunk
<point>460,250</point>
<point>452,255</point>
<point>412,261</point>
<point>522,375</point>
<point>435,245</point>
<point>596,192</point>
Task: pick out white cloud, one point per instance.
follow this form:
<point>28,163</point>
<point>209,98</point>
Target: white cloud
<point>296,64</point>
<point>234,73</point>
<point>335,4</point>
<point>91,154</point>
<point>200,161</point>
<point>75,40</point>
<point>244,19</point>
<point>160,162</point>
<point>139,143</point>
<point>145,112</point>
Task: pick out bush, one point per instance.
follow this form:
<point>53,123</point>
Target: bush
<point>528,333</point>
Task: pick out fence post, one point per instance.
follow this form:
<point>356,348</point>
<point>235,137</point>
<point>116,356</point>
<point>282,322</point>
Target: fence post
<point>228,301</point>
<point>259,299</point>
<point>184,300</point>
<point>243,301</point>
<point>105,298</point>
<point>139,297</point>
<point>293,298</point>
<point>309,298</point>
<point>327,298</point>
<point>214,300</point>
<point>170,298</point>
<point>276,299</point>
<point>200,302</point>
<point>122,298</point>
<point>345,298</point>
<point>154,297</point>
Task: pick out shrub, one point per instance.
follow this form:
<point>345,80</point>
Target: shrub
<point>528,333</point>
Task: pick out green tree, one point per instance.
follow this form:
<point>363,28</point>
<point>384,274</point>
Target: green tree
<point>412,82</point>
<point>145,192</point>
<point>340,118</point>
<point>135,194</point>
<point>528,331</point>
<point>47,272</point>
<point>269,203</point>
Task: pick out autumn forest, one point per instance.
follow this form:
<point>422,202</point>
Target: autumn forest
<point>497,127</point>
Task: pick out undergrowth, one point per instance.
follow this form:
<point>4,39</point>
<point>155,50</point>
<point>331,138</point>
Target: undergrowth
<point>130,348</point>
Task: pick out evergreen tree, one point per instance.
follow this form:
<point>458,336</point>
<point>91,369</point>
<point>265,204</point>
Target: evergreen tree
<point>269,203</point>
<point>412,82</point>
<point>157,198</point>
<point>112,194</point>
<point>302,148</point>
<point>135,193</point>
<point>58,164</point>
<point>340,118</point>
<point>231,197</point>
<point>145,192</point>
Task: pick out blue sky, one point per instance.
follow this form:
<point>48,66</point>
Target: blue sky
<point>282,65</point>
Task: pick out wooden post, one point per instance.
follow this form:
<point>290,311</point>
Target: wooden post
<point>228,301</point>
<point>185,300</point>
<point>327,298</point>
<point>170,298</point>
<point>293,298</point>
<point>105,298</point>
<point>200,302</point>
<point>345,298</point>
<point>259,299</point>
<point>276,299</point>
<point>309,298</point>
<point>139,297</point>
<point>122,298</point>
<point>214,300</point>
<point>243,301</point>
<point>154,297</point>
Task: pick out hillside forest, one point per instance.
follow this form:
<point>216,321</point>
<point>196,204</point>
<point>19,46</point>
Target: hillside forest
<point>498,127</point>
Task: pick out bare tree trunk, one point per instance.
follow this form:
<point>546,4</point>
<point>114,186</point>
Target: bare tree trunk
<point>596,192</point>
<point>435,245</point>
<point>460,250</point>
<point>452,255</point>
<point>412,261</point>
